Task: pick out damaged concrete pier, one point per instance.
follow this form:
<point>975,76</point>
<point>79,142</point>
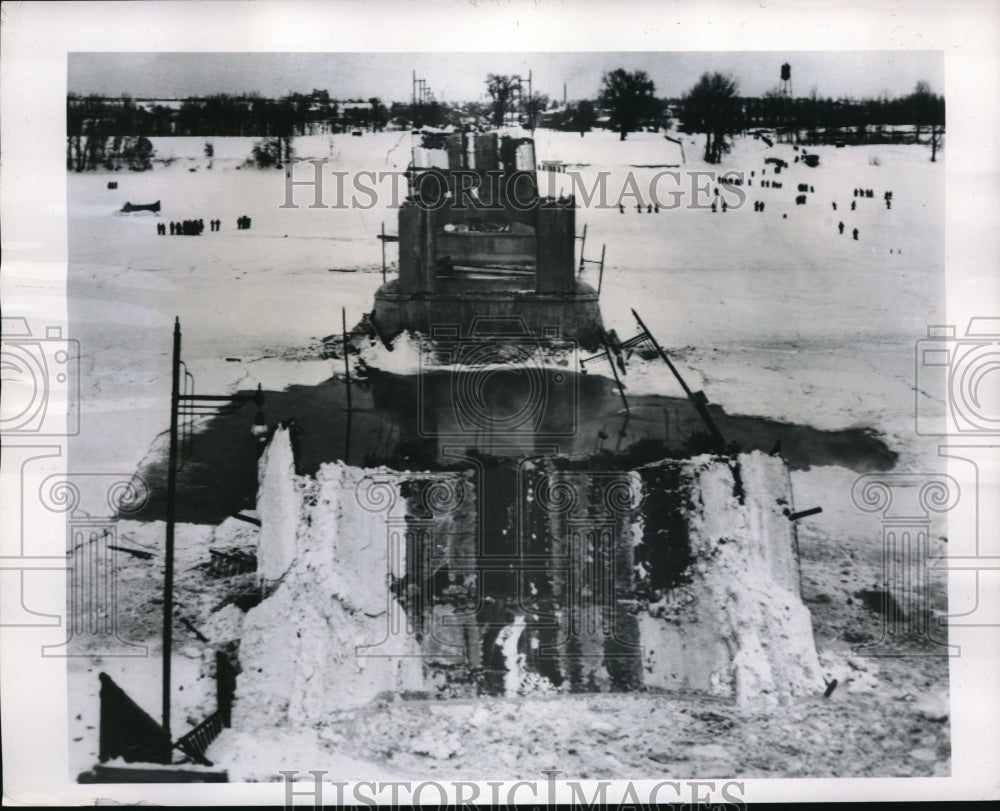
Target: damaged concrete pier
<point>477,240</point>
<point>680,575</point>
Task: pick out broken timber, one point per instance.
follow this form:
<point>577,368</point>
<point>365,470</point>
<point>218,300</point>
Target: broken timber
<point>697,398</point>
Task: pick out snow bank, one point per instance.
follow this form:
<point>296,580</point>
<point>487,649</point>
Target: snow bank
<point>252,758</point>
<point>412,353</point>
<point>404,357</point>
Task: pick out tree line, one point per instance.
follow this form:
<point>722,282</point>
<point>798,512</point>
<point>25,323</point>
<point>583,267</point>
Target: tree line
<point>714,107</point>
<point>113,132</point>
<point>627,102</point>
<point>223,115</point>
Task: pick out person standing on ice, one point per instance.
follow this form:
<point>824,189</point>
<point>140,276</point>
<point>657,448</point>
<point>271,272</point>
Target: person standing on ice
<point>840,227</point>
<point>855,233</point>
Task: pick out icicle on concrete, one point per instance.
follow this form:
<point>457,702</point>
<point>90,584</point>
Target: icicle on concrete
<point>507,641</point>
<point>279,504</point>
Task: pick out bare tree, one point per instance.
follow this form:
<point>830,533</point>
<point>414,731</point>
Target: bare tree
<point>937,139</point>
<point>582,116</point>
<point>927,110</point>
<point>921,103</point>
<point>629,99</point>
<point>711,107</point>
<point>501,92</point>
<point>534,106</point>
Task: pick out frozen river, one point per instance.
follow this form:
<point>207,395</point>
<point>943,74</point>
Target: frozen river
<point>774,314</point>
<point>794,331</point>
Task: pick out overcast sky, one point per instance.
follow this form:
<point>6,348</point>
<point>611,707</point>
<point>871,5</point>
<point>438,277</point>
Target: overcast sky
<point>461,76</point>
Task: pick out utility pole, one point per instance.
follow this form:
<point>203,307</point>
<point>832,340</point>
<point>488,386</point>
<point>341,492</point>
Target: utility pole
<point>195,404</point>
<point>531,114</point>
<point>168,575</point>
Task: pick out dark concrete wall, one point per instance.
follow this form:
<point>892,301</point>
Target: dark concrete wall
<point>485,151</point>
<point>417,268</point>
<point>577,315</point>
<point>411,259</point>
<point>488,249</point>
<point>555,249</point>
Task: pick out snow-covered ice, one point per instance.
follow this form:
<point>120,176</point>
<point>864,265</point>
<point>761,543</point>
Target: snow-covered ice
<point>773,314</point>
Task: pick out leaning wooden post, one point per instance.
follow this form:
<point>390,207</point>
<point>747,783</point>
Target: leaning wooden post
<point>697,398</point>
<point>383,251</point>
<point>614,371</point>
<point>600,276</point>
<point>347,366</point>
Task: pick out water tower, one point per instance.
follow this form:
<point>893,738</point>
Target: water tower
<point>786,80</point>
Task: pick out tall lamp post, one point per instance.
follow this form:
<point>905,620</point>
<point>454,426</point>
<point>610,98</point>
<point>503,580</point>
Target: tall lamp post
<point>183,398</point>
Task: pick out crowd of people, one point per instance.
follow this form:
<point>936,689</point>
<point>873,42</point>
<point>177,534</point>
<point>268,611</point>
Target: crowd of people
<point>193,228</point>
<point>804,189</point>
<point>649,208</point>
<point>186,228</point>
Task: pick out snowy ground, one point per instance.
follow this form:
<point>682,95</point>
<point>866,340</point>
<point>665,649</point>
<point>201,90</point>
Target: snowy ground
<point>772,315</point>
